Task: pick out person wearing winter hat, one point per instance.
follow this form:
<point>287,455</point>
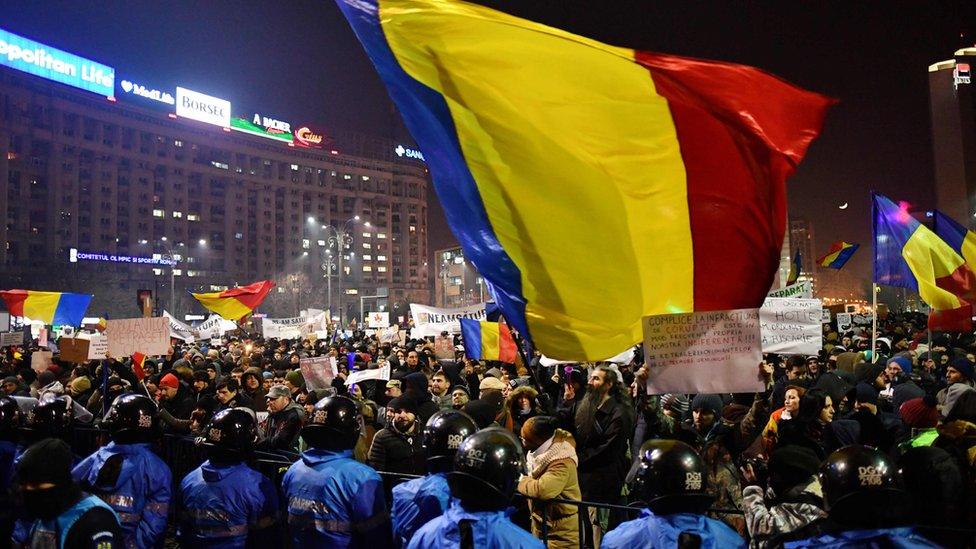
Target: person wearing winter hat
<point>898,365</point>
<point>792,500</point>
<point>920,413</point>
<point>398,447</point>
<point>960,370</point>
<point>65,516</point>
<point>295,383</point>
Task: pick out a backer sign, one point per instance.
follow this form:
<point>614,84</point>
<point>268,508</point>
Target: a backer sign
<point>825,317</point>
<point>98,347</point>
<point>11,339</point>
<point>431,321</point>
<point>283,328</point>
<point>318,372</point>
<point>703,352</point>
<point>149,336</point>
<point>791,326</point>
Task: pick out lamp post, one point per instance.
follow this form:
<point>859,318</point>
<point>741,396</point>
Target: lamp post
<point>341,237</point>
<point>329,266</point>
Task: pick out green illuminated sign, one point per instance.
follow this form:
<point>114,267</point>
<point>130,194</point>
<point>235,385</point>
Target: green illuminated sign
<point>263,126</point>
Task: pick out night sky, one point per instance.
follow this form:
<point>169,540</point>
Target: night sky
<point>299,61</point>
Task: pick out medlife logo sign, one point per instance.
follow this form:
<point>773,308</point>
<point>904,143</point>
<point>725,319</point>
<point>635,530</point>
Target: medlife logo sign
<point>38,59</point>
<point>203,108</point>
<point>134,88</point>
<point>400,150</point>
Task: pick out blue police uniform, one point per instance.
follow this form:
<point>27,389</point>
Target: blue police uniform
<point>904,537</point>
<point>7,452</point>
<point>416,502</point>
<point>335,501</point>
<point>140,494</point>
<point>650,530</point>
<point>22,524</point>
<point>489,530</point>
<point>54,532</point>
<point>223,504</point>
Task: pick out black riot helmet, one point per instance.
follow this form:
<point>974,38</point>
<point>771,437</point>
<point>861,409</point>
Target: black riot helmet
<point>443,434</point>
<point>335,424</point>
<point>131,419</point>
<point>671,478</point>
<point>862,488</point>
<point>231,434</point>
<point>10,418</point>
<point>51,417</point>
<point>486,470</point>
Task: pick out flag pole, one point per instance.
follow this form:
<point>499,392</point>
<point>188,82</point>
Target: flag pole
<point>874,322</point>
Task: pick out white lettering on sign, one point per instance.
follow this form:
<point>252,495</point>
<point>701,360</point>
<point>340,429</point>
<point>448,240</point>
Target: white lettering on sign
<point>149,93</point>
<point>202,107</point>
<point>41,60</point>
<point>400,150</point>
<point>271,123</point>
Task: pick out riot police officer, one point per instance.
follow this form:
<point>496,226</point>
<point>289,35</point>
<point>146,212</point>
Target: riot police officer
<point>224,503</point>
<point>127,474</point>
<point>333,500</point>
<point>486,470</point>
<point>10,418</point>
<point>417,501</point>
<point>865,503</point>
<point>671,481</point>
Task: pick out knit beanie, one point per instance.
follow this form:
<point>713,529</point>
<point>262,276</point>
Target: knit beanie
<point>169,380</point>
<point>403,402</point>
<point>295,378</point>
<point>80,385</point>
<point>964,367</point>
<point>792,465</point>
<point>904,362</point>
<point>708,403</point>
<point>677,403</point>
<point>919,413</point>
<point>866,394</point>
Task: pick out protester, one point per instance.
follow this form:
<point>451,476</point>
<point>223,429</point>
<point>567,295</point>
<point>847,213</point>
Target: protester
<point>552,473</point>
<point>283,423</point>
<point>398,447</point>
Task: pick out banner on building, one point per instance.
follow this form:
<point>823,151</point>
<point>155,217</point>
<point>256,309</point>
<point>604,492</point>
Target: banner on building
<point>431,321</point>
<point>703,352</point>
<point>802,290</point>
<point>149,336</point>
<point>791,326</point>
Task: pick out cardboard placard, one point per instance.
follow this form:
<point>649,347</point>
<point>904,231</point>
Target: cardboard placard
<point>318,372</point>
<point>98,347</point>
<point>149,336</point>
<point>41,360</point>
<point>791,326</point>
<point>704,352</point>
<point>11,339</point>
<point>362,375</point>
<point>74,349</point>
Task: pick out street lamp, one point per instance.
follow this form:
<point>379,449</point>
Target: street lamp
<point>341,237</point>
<point>329,266</point>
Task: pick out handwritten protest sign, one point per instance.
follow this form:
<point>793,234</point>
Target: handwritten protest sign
<point>706,352</point>
<point>11,339</point>
<point>825,317</point>
<point>318,372</point>
<point>362,375</point>
<point>791,326</point>
<point>844,322</point>
<point>74,349</point>
<point>389,335</point>
<point>149,336</point>
<point>98,347</point>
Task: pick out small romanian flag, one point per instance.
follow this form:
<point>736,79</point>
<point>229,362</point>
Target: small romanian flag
<point>138,365</point>
<point>485,340</point>
<point>909,255</point>
<point>236,303</point>
<point>838,255</point>
<point>101,325</point>
<point>679,163</point>
<point>50,307</point>
<point>959,238</point>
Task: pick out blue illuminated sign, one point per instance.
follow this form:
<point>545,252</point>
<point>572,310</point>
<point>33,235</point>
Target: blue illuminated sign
<point>402,151</point>
<point>75,256</point>
<point>38,59</point>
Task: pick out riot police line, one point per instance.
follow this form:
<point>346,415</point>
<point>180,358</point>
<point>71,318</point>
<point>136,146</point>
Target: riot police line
<point>228,495</point>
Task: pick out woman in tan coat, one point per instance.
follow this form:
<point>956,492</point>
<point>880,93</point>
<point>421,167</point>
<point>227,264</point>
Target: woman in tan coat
<point>552,474</point>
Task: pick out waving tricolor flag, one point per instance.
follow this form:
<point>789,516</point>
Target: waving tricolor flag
<point>958,237</point>
<point>484,340</point>
<point>236,303</point>
<point>592,185</point>
<point>51,307</point>
<point>909,255</point>
<point>838,255</point>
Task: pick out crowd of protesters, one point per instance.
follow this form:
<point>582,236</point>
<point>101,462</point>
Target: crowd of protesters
<point>880,443</point>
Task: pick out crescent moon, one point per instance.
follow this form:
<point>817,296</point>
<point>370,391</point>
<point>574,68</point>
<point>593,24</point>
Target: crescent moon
<point>843,206</point>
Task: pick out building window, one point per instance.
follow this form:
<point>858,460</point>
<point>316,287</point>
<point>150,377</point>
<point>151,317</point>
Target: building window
<point>177,143</point>
<point>381,268</point>
<point>381,258</point>
<point>158,213</point>
<point>305,243</point>
<point>367,245</point>
<point>367,268</point>
<point>367,235</point>
<point>238,236</point>
<point>365,178</point>
<point>294,167</point>
<point>177,214</point>
<point>413,229</point>
<point>158,272</point>
<point>346,176</point>
<point>192,217</point>
<point>381,235</point>
<point>177,272</point>
<point>367,257</point>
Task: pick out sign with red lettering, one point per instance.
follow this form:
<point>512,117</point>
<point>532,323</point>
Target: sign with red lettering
<point>310,137</point>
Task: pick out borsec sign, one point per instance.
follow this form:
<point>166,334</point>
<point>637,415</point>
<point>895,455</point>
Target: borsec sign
<point>202,107</point>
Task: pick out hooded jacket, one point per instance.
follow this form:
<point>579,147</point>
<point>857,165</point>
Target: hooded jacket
<point>135,482</point>
<point>415,385</point>
<point>553,475</point>
<point>334,501</point>
<point>225,505</point>
<point>650,530</point>
<point>489,530</point>
<point>519,417</point>
<point>416,502</point>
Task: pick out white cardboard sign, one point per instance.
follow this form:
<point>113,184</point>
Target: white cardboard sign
<point>791,326</point>
<point>149,336</point>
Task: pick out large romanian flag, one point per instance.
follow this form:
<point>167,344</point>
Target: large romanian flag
<point>592,185</point>
<point>838,255</point>
<point>909,255</point>
<point>484,340</point>
<point>51,307</point>
<point>236,303</point>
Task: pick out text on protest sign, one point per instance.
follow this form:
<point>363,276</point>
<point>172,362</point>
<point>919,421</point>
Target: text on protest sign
<point>215,326</point>
<point>378,320</point>
<point>705,352</point>
<point>149,336</point>
<point>431,321</point>
<point>363,375</point>
<point>802,290</point>
<point>11,339</point>
<point>791,326</point>
<point>844,323</point>
<point>318,372</point>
